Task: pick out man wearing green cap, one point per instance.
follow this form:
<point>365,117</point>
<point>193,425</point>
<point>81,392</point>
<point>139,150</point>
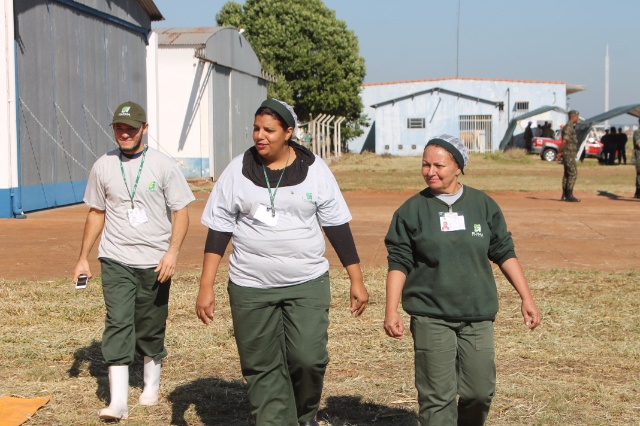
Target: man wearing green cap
<point>138,202</point>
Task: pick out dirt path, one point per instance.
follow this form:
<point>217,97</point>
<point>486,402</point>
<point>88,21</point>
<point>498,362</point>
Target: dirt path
<point>600,233</point>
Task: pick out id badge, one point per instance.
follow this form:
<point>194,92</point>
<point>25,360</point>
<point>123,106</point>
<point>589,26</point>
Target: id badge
<point>451,222</point>
<point>264,215</point>
<point>137,216</point>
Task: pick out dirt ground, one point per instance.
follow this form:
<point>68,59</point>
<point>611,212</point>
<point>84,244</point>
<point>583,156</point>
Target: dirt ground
<point>597,234</point>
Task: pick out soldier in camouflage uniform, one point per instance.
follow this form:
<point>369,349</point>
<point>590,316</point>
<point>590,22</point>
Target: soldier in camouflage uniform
<point>568,151</point>
<point>636,155</point>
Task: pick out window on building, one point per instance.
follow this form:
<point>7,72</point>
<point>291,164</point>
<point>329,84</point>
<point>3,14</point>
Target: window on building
<point>521,107</point>
<point>415,123</point>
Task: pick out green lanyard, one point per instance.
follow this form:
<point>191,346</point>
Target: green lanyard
<point>273,196</point>
<point>135,186</point>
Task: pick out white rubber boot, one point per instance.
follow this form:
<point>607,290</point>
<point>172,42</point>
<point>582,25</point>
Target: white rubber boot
<point>119,388</point>
<point>149,395</point>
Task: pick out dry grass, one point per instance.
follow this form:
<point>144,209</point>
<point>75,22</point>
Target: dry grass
<point>580,367</point>
<point>512,170</point>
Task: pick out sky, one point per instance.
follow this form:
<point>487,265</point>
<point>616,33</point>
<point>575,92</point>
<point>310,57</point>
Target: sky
<point>542,40</point>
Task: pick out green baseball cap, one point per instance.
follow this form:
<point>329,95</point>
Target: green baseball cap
<point>130,113</point>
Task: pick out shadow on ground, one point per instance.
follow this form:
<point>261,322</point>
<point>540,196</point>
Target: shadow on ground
<point>92,355</point>
<point>613,196</point>
<point>351,411</point>
<point>216,402</point>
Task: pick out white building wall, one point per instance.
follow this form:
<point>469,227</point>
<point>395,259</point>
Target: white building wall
<point>443,112</point>
<point>507,91</point>
<point>153,117</point>
<point>183,109</point>
<point>8,135</point>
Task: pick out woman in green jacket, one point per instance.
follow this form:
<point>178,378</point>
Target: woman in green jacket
<point>440,244</point>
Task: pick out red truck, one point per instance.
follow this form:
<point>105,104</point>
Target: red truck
<point>548,148</point>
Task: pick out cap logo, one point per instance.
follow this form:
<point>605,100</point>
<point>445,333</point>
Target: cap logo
<point>125,111</point>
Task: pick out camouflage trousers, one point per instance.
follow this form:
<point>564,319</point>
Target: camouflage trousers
<point>570,171</point>
<point>637,161</point>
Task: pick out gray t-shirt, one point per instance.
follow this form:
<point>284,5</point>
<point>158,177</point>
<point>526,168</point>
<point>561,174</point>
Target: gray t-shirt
<point>289,252</point>
<point>161,190</point>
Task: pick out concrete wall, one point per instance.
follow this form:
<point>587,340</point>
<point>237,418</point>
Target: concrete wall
<point>394,137</point>
<point>183,101</point>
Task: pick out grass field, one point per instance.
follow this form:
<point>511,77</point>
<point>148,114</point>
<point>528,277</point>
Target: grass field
<point>580,367</point>
<point>509,171</point>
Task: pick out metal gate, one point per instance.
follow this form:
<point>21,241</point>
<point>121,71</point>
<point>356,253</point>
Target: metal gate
<point>475,132</point>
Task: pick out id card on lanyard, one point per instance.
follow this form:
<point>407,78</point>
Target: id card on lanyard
<point>137,215</point>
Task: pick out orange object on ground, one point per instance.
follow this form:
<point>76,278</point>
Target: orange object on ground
<point>15,411</point>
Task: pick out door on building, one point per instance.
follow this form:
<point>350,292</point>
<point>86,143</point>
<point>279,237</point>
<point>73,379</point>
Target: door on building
<point>475,132</point>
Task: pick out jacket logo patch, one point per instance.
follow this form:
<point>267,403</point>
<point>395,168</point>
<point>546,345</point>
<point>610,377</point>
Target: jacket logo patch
<point>477,230</point>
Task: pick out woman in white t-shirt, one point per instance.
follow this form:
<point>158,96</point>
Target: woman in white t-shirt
<point>273,200</point>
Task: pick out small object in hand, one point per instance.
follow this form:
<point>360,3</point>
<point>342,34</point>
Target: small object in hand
<point>81,282</point>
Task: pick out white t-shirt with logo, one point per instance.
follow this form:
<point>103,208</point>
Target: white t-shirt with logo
<point>161,190</point>
<point>275,252</point>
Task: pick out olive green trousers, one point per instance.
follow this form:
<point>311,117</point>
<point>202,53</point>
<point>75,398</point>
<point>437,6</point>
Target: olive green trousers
<point>453,359</point>
<point>281,334</point>
<point>137,309</point>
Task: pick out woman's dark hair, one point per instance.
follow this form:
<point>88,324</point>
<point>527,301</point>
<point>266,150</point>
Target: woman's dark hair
<point>272,113</point>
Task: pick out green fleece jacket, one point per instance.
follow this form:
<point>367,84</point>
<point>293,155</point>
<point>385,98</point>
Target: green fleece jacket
<point>449,275</point>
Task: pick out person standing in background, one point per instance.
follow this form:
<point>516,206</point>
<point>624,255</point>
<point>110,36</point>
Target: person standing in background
<point>610,142</point>
<point>636,158</point>
<point>528,138</point>
<point>621,146</point>
<point>567,153</point>
<point>547,131</point>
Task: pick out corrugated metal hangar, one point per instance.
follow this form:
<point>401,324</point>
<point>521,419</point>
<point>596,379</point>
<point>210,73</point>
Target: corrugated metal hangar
<point>206,116</point>
<point>71,62</point>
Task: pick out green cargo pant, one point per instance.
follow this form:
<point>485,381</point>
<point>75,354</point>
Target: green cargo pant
<point>453,358</point>
<point>281,335</point>
<point>137,309</point>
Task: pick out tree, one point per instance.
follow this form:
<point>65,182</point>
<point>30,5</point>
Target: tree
<point>313,55</point>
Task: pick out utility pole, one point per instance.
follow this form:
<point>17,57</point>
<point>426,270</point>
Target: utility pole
<point>606,84</point>
<point>458,42</point>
